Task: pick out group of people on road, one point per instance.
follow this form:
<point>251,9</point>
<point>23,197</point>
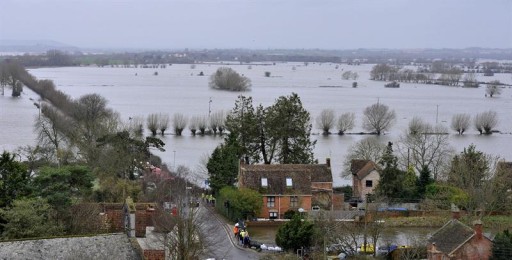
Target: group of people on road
<point>208,198</point>
<point>240,232</point>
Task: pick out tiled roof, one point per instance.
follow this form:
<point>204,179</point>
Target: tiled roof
<point>302,176</point>
<point>361,168</point>
<point>453,234</point>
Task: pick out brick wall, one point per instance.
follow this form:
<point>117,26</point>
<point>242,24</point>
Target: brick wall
<point>282,204</point>
<point>140,223</point>
<point>154,254</point>
<point>115,218</point>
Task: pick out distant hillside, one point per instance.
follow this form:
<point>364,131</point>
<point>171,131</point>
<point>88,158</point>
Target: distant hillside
<point>34,46</point>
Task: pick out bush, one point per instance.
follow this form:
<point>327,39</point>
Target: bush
<point>228,79</point>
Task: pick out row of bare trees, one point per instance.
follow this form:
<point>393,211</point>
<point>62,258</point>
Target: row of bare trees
<point>377,119</point>
<point>484,123</point>
<point>215,123</point>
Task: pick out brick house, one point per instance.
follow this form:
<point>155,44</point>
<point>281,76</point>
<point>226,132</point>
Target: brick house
<point>455,240</point>
<point>365,177</point>
<point>289,186</point>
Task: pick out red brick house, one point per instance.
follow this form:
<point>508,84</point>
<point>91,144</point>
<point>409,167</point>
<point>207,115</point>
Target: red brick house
<point>365,177</point>
<point>289,186</point>
<point>456,240</point>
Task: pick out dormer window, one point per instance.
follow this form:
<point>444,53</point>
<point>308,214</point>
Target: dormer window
<point>264,182</point>
<point>289,182</point>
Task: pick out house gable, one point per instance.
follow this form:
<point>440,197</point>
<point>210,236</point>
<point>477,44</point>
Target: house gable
<point>364,172</point>
<point>451,236</point>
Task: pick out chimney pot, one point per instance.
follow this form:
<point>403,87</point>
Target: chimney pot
<point>477,226</point>
<point>328,162</point>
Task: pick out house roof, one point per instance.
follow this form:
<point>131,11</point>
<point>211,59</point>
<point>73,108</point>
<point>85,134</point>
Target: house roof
<point>451,236</point>
<point>302,176</point>
<point>361,168</point>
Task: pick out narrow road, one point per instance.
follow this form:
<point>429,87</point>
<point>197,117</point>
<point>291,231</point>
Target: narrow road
<point>222,244</point>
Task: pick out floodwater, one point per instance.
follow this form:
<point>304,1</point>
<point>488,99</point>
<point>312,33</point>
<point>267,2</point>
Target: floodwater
<point>179,89</point>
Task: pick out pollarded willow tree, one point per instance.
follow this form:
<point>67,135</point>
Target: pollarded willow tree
<point>346,122</point>
<point>460,123</point>
<point>163,122</point>
<point>228,79</point>
<point>179,122</point>
<point>485,122</point>
<point>378,118</point>
<point>152,123</point>
<point>217,121</point>
<point>326,120</point>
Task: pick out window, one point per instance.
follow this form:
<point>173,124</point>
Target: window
<point>369,183</point>
<point>294,201</point>
<point>289,182</point>
<point>272,215</point>
<point>271,201</point>
<point>264,182</point>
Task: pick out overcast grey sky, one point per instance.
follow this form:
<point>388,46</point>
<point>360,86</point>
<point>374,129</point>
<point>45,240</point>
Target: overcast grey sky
<point>260,24</point>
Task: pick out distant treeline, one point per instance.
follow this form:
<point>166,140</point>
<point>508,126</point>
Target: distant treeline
<point>186,56</point>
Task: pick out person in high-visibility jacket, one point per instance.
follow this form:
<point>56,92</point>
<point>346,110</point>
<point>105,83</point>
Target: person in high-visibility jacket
<point>236,230</point>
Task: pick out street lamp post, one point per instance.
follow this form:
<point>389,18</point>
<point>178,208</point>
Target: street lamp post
<point>209,107</point>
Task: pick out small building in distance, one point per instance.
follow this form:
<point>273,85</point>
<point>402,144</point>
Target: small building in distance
<point>365,177</point>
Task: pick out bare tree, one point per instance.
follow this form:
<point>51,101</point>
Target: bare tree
<point>202,124</point>
<point>193,124</point>
<point>417,126</point>
<point>325,120</point>
<point>346,122</point>
<point>227,79</point>
<point>493,88</point>
<point>429,148</point>
<point>163,123</point>
<point>369,148</point>
<point>92,120</point>
<point>485,122</point>
<point>460,123</point>
<point>10,71</point>
<point>152,123</point>
<point>47,127</point>
<point>349,75</point>
<point>218,121</point>
<point>179,122</point>
<point>136,126</point>
<point>470,80</point>
<point>378,118</point>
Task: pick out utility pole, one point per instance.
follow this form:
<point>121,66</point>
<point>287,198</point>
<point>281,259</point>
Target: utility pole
<point>437,113</point>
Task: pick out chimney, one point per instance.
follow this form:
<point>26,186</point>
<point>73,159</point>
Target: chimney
<point>456,214</point>
<point>328,162</point>
<point>477,225</point>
